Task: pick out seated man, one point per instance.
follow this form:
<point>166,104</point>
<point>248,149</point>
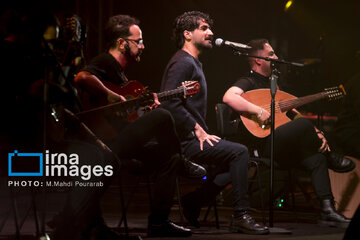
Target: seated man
<point>193,35</point>
<point>297,142</point>
<point>151,138</point>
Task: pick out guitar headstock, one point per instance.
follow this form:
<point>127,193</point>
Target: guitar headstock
<point>335,93</point>
<point>190,87</point>
<point>73,29</point>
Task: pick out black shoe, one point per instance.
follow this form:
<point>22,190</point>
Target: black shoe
<point>330,217</point>
<point>244,223</point>
<point>167,229</point>
<point>191,211</point>
<point>192,170</point>
<point>339,163</point>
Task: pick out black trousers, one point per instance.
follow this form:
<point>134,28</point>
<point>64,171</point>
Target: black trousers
<point>228,162</point>
<point>152,139</point>
<point>296,145</point>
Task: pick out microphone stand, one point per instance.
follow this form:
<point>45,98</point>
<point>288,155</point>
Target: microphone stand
<point>239,53</point>
<point>273,87</point>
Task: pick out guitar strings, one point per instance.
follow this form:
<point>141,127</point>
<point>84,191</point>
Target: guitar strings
<point>284,105</point>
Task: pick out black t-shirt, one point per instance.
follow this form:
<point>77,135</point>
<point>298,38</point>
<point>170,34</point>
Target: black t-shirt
<point>253,81</point>
<point>250,82</point>
<point>106,68</point>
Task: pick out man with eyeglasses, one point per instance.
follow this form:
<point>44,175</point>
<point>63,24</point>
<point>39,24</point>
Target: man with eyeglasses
<point>136,140</point>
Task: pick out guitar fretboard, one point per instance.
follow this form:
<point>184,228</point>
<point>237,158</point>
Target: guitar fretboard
<point>294,103</point>
<point>180,91</point>
<point>132,104</point>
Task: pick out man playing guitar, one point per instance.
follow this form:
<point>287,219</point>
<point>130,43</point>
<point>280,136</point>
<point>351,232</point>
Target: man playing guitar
<point>135,139</point>
<point>298,142</point>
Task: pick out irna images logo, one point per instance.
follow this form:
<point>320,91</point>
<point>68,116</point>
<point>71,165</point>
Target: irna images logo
<point>53,164</point>
<point>25,164</point>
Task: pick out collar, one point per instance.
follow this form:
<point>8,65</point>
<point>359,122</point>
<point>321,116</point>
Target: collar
<point>258,76</point>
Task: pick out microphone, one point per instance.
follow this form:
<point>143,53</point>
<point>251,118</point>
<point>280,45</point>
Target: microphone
<point>220,42</point>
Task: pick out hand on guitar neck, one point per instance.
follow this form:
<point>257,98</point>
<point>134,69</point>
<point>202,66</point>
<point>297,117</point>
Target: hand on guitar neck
<point>156,102</point>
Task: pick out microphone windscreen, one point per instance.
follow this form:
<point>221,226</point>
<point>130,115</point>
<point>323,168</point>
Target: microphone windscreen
<point>219,42</point>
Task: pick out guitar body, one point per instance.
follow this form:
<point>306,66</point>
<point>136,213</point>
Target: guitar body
<point>105,124</point>
<point>262,97</point>
<point>283,103</point>
<point>130,90</point>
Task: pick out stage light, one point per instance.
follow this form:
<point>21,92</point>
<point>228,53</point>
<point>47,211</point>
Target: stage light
<point>288,4</point>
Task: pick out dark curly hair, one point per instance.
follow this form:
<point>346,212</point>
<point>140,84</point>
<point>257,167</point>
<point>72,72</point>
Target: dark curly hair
<point>118,26</point>
<point>188,21</point>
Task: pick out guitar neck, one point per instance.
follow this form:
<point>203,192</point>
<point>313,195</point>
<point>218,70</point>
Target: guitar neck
<point>132,104</point>
<point>162,96</point>
<point>294,103</point>
<point>118,106</point>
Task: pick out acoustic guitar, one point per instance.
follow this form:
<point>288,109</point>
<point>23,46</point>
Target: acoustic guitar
<point>102,120</point>
<point>283,103</point>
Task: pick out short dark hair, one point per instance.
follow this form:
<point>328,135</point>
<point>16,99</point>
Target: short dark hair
<point>256,45</point>
<point>118,27</point>
<point>188,21</point>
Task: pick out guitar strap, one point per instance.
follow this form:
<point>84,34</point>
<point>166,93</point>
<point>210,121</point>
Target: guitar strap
<point>124,78</point>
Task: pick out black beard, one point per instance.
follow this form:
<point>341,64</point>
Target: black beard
<point>202,46</point>
<point>133,58</point>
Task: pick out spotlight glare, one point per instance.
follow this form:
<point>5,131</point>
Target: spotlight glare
<point>288,5</point>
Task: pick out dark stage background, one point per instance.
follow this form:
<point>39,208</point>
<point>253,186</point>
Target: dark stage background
<point>323,34</point>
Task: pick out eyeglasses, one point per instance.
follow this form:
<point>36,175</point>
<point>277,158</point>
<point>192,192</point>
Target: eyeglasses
<point>139,42</point>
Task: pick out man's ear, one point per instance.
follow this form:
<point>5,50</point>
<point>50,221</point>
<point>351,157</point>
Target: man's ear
<point>121,44</point>
<point>258,61</point>
<point>187,35</point>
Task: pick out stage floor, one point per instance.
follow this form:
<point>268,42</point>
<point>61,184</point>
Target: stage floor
<point>301,222</point>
